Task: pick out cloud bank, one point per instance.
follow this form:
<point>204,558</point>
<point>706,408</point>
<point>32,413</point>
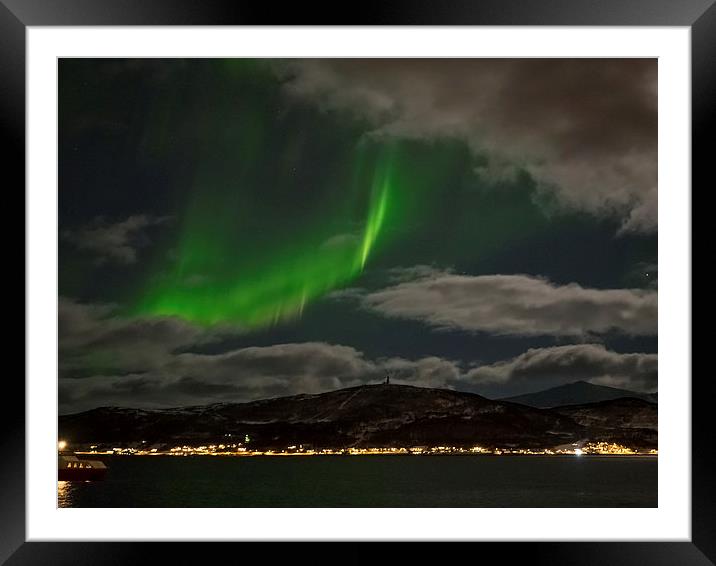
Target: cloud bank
<point>588,361</point>
<point>585,129</point>
<point>519,305</point>
<point>109,360</point>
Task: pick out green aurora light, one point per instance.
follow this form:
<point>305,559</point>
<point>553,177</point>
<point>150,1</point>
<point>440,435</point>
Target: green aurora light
<point>210,284</point>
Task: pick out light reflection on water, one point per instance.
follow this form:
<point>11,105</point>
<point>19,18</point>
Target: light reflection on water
<point>63,490</point>
<point>67,492</point>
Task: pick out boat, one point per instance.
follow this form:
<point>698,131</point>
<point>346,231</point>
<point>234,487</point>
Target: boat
<point>71,468</point>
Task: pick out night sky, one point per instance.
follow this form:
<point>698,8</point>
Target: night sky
<point>238,229</point>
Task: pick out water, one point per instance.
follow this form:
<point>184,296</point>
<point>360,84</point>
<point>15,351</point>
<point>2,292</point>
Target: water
<point>369,481</point>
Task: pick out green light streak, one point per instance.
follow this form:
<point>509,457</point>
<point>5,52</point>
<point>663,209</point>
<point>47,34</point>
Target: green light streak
<point>214,283</point>
<point>375,221</point>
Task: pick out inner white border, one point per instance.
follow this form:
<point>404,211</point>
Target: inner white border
<point>670,521</point>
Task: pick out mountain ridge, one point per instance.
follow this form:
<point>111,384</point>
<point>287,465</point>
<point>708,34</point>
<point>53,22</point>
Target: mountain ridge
<point>367,415</point>
<point>576,393</point>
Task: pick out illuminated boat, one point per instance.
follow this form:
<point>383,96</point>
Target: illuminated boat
<point>71,468</point>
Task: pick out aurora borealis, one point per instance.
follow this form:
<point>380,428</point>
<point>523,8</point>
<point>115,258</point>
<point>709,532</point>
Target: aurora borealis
<point>233,229</point>
<point>227,273</point>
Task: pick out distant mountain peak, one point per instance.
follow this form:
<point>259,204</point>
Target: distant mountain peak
<point>576,393</point>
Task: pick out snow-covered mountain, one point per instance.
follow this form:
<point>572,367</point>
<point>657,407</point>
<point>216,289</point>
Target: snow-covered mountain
<point>369,415</point>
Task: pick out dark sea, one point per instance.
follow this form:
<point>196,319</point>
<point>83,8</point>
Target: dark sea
<point>369,481</point>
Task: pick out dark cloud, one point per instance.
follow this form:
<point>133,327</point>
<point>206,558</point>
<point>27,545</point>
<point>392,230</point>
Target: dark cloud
<point>566,364</point>
<point>586,129</point>
<point>94,339</point>
<point>431,371</point>
<point>287,369</point>
<point>109,359</point>
<point>310,360</point>
<point>514,305</point>
<point>249,373</point>
<point>106,359</point>
<point>117,242</point>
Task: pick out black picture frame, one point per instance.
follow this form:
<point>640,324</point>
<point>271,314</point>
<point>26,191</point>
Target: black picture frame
<point>16,15</point>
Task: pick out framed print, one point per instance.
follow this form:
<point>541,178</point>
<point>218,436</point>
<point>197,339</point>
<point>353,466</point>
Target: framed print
<point>298,278</point>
